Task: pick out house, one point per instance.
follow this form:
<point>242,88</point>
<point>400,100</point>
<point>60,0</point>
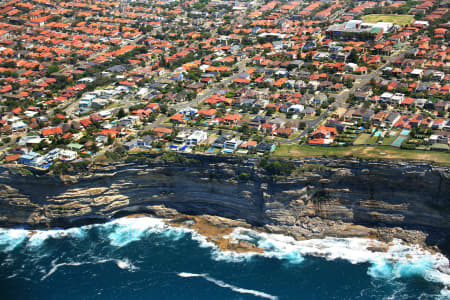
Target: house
<point>323,136</point>
<point>397,98</point>
<point>391,119</point>
<point>29,158</point>
<point>416,120</point>
<point>441,105</point>
<point>162,131</point>
<point>248,145</point>
<point>264,147</point>
<point>417,73</point>
<point>181,137</point>
<point>362,114</point>
<point>362,95</point>
<point>207,114</point>
<point>440,137</point>
<point>284,132</point>
<point>67,155</point>
<point>295,108</point>
<point>232,119</point>
<point>379,117</point>
<point>319,98</point>
<point>51,131</point>
<point>231,145</point>
<point>386,97</point>
<point>219,142</point>
<point>309,112</point>
<point>438,124</point>
<point>29,140</point>
<point>196,138</point>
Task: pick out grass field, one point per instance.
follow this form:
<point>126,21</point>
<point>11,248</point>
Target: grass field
<point>397,19</point>
<point>362,139</point>
<point>363,152</point>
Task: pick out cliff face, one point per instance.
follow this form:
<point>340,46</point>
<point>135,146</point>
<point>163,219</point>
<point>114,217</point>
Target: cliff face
<point>322,197</point>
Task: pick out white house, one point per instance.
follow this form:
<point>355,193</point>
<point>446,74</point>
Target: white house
<point>397,98</point>
<point>232,144</point>
<point>296,108</point>
<point>196,138</point>
<point>386,97</point>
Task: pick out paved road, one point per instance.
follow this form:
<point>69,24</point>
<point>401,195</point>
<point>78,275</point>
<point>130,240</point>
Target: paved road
<point>213,89</point>
<point>342,97</point>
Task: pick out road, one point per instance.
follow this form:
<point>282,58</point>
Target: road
<point>362,80</point>
<point>213,89</point>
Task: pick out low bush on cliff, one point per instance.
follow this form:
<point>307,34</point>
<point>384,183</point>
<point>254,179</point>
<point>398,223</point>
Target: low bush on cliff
<point>60,167</point>
<point>177,158</point>
<point>277,167</point>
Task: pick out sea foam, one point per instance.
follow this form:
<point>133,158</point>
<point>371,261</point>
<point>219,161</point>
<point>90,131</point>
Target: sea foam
<point>11,238</point>
<point>399,260</point>
<point>234,288</point>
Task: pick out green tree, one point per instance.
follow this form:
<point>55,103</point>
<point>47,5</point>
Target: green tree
<point>52,69</point>
<point>121,113</point>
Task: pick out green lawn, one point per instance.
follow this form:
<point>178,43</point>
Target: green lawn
<point>397,19</point>
<point>363,152</point>
<point>362,139</point>
<point>388,139</point>
<point>372,140</point>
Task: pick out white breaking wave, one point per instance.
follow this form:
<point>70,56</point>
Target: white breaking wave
<point>11,238</point>
<point>123,231</point>
<point>38,237</point>
<point>399,260</point>
<point>228,286</point>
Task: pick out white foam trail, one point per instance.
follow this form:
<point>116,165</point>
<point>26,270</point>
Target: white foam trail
<point>126,264</point>
<point>122,264</point>
<point>228,286</point>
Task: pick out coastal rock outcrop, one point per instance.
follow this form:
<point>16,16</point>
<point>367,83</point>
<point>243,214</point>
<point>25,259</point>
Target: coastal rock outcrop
<point>322,197</point>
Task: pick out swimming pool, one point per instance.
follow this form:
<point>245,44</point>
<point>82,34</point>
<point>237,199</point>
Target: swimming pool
<point>227,151</point>
<point>210,150</point>
<point>377,134</point>
<point>393,133</point>
<point>404,132</point>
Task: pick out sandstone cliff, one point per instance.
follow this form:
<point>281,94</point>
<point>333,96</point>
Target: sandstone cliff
<point>322,197</point>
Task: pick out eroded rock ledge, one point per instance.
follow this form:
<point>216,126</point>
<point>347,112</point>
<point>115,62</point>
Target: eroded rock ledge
<point>323,197</point>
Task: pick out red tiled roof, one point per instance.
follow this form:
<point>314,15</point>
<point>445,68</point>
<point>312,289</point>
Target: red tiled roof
<point>51,131</point>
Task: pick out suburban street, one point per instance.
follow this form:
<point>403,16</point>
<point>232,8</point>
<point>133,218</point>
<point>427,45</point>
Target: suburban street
<point>361,80</point>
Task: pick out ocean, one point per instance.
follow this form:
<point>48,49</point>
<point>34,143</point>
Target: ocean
<point>143,258</point>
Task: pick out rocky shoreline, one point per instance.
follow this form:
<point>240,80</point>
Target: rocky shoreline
<point>321,198</point>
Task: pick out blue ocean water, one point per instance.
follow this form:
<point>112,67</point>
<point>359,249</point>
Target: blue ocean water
<point>145,259</point>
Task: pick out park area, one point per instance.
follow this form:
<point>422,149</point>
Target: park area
<point>397,19</point>
<point>363,152</point>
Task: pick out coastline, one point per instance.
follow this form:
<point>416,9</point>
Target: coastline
<point>237,241</point>
<point>323,198</point>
